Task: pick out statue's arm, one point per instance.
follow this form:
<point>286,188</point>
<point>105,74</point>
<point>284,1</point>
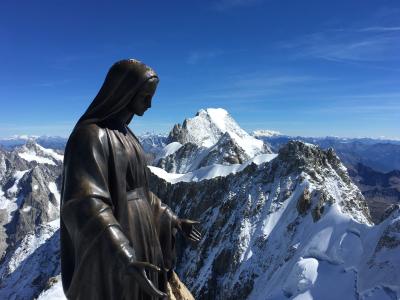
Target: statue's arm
<point>185,226</point>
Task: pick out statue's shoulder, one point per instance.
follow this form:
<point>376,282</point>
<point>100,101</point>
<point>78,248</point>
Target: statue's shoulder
<point>89,134</point>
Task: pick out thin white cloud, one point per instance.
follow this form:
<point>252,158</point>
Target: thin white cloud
<point>369,44</point>
<point>198,56</point>
<point>379,29</point>
<point>358,109</point>
<point>41,84</point>
<point>64,62</point>
<point>51,83</point>
<point>256,87</point>
<point>378,96</point>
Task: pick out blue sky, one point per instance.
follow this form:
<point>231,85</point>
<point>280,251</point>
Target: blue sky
<point>310,68</point>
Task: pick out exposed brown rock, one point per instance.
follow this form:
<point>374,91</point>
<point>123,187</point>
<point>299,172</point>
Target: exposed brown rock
<point>304,202</point>
<point>177,290</point>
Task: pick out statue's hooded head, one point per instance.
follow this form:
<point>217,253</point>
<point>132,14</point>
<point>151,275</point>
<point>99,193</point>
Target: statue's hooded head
<point>123,82</point>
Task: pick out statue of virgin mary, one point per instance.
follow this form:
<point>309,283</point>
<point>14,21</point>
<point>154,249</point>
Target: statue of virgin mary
<point>117,237</point>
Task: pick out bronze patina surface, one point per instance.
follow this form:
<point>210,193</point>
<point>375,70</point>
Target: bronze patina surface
<point>117,237</point>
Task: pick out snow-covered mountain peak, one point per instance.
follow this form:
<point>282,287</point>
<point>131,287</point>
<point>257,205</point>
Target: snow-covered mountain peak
<point>220,118</point>
<point>212,136</point>
<point>32,151</point>
<point>207,127</point>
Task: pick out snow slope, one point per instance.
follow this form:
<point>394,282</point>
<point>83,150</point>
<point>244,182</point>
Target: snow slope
<point>34,152</point>
<point>209,172</point>
<point>295,227</point>
<point>26,271</point>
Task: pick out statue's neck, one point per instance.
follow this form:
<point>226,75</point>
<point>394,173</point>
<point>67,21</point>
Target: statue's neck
<point>122,117</point>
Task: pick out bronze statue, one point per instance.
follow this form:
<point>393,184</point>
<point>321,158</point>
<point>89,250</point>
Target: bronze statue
<point>117,237</point>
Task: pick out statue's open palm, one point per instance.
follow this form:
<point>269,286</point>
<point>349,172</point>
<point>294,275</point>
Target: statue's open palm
<point>189,230</point>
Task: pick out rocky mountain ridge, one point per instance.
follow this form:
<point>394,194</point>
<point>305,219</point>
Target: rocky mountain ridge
<point>30,179</point>
<point>380,154</point>
<point>287,228</point>
<point>29,191</point>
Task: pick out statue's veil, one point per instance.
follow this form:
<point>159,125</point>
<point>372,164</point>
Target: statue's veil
<point>122,83</point>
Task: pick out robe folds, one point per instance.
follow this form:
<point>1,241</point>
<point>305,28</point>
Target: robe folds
<point>105,206</point>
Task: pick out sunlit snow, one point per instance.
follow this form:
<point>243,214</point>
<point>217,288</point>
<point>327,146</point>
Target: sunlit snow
<point>40,154</point>
<point>30,155</point>
<point>209,172</point>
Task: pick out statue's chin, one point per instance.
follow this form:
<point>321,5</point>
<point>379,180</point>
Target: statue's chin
<point>141,113</point>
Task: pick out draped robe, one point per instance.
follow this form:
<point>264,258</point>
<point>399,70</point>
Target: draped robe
<point>105,186</point>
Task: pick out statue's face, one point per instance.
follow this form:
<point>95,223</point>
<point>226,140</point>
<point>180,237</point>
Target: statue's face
<point>142,101</point>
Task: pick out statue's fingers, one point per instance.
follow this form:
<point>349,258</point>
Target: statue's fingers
<point>196,235</point>
<point>193,222</point>
<point>148,286</point>
<point>193,238</point>
<point>140,276</point>
<point>147,265</point>
<point>196,231</point>
<point>190,222</point>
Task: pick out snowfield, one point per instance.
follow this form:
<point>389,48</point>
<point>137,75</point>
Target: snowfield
<point>39,154</point>
<point>209,172</point>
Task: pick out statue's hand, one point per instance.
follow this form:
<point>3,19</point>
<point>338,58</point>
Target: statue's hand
<point>138,270</point>
<point>188,229</point>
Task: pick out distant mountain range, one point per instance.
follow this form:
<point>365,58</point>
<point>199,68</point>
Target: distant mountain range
<point>381,155</point>
<point>53,142</point>
<point>381,190</point>
<point>281,218</point>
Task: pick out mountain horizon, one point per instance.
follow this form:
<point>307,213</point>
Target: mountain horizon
<point>255,132</point>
